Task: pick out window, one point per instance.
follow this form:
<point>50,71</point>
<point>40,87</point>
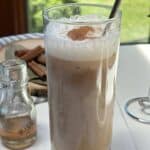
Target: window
<point>135,19</point>
<point>13,17</point>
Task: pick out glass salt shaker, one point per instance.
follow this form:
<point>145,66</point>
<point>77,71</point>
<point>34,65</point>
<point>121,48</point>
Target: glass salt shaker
<point>17,111</point>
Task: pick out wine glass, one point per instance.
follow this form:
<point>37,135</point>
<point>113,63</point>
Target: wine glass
<point>139,108</point>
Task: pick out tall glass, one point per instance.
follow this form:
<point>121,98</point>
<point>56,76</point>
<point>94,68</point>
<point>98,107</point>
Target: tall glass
<point>82,54</point>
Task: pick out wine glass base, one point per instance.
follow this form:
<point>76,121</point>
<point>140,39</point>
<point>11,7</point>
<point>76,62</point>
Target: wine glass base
<point>139,109</point>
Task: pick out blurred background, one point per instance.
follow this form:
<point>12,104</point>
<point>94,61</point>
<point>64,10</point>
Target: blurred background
<point>22,16</point>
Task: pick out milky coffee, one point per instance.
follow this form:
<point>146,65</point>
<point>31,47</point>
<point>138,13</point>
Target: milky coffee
<point>81,66</point>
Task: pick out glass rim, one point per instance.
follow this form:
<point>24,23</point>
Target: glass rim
<point>14,63</point>
<point>17,62</point>
<point>108,20</point>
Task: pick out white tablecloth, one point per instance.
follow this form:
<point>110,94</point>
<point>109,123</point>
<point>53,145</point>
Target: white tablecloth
<point>133,81</point>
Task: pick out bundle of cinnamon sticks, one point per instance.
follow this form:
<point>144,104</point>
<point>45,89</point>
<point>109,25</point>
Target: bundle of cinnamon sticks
<point>35,60</point>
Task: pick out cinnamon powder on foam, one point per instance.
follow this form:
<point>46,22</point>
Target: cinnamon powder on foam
<point>80,34</point>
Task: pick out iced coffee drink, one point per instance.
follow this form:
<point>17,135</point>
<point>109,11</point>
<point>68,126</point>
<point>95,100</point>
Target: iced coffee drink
<point>81,65</point>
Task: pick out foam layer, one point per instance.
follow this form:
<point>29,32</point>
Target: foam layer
<point>95,47</point>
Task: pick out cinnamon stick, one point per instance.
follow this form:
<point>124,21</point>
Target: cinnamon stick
<point>20,53</point>
<point>41,59</point>
<point>38,69</point>
<point>31,54</point>
<point>36,89</point>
